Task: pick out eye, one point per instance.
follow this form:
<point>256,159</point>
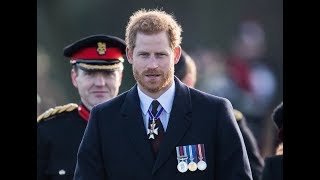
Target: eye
<point>161,55</point>
<point>88,73</point>
<point>144,54</point>
<point>109,73</point>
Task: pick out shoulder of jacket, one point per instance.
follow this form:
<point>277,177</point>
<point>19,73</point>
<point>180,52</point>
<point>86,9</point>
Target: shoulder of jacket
<point>238,115</point>
<point>57,110</point>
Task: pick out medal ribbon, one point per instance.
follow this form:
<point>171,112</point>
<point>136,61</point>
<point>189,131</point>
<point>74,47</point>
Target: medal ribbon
<point>179,153</point>
<point>185,151</point>
<point>191,152</point>
<point>177,150</point>
<point>157,115</point>
<point>201,154</point>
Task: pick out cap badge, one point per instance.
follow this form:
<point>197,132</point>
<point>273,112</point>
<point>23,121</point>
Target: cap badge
<point>102,48</point>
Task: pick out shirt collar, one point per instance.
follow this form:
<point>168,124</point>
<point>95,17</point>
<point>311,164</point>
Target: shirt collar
<point>165,100</point>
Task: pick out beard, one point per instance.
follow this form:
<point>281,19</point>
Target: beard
<point>154,87</point>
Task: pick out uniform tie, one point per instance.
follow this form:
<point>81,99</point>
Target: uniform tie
<point>156,141</point>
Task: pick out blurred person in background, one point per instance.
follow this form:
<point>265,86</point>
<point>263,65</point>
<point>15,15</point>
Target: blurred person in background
<point>185,70</point>
<point>253,81</point>
<point>273,169</point>
<point>49,92</point>
<point>213,78</point>
<point>244,77</point>
<point>255,158</point>
<point>97,66</point>
<point>161,128</point>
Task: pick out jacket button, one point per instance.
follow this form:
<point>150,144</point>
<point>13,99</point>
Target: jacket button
<point>62,172</point>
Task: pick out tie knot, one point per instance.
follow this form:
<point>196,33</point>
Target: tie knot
<point>154,105</point>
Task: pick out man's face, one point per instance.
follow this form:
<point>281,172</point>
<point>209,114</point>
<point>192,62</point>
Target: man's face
<point>153,62</point>
<point>96,87</point>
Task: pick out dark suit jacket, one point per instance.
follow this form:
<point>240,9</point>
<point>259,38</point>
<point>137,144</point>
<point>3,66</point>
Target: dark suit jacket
<point>115,144</point>
<point>273,169</point>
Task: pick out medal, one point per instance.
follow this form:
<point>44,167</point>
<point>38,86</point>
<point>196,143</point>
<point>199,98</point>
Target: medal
<point>182,166</point>
<point>202,165</point>
<point>153,130</point>
<point>192,165</point>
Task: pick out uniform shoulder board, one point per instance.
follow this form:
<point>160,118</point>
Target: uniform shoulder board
<point>237,114</point>
<point>57,110</point>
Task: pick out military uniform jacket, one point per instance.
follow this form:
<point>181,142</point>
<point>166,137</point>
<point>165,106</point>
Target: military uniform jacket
<point>273,169</point>
<point>115,144</point>
<point>58,140</point>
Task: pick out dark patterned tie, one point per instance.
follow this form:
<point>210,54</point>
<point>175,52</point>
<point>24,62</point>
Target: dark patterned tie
<point>157,140</point>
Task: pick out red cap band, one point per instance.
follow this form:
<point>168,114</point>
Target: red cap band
<point>92,53</point>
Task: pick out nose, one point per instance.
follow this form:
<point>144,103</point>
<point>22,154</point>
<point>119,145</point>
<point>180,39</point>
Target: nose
<point>153,63</point>
<point>100,80</point>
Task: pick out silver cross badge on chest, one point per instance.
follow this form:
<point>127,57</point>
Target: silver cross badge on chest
<point>152,131</point>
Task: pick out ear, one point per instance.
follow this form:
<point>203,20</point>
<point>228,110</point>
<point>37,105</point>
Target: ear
<point>129,54</point>
<point>177,54</point>
<point>73,78</point>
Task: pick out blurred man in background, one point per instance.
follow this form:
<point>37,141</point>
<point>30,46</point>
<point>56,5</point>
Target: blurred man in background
<point>186,70</point>
<point>253,81</point>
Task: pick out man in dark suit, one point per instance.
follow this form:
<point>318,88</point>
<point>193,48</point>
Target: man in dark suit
<point>161,128</point>
<point>273,169</point>
<point>97,64</point>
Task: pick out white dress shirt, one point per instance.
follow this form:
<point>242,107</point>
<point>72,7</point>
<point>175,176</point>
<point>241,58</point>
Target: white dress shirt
<point>165,100</point>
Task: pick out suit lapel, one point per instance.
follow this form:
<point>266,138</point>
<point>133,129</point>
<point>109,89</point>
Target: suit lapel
<point>179,122</point>
<point>135,129</point>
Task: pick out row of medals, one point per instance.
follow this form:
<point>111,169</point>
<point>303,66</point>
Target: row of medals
<point>183,166</point>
